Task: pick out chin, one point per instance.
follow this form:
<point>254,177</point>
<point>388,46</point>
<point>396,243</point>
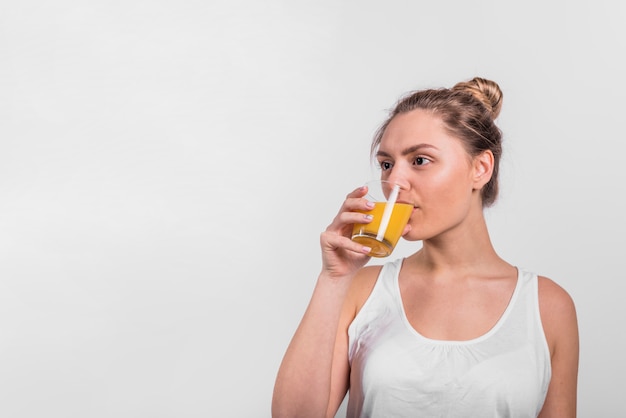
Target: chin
<point>412,236</point>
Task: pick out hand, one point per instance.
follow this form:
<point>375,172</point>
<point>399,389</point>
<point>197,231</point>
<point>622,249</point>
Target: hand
<point>340,255</point>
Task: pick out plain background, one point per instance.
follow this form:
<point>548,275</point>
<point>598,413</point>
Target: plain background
<point>166,168</point>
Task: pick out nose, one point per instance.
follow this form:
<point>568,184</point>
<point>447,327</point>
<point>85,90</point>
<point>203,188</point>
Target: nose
<point>396,177</point>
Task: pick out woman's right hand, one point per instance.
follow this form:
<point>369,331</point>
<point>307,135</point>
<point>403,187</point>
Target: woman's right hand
<point>340,255</point>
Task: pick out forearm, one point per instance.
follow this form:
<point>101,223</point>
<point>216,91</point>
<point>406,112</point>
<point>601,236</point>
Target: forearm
<point>304,379</point>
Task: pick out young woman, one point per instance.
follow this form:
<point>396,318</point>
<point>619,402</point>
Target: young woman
<point>452,330</point>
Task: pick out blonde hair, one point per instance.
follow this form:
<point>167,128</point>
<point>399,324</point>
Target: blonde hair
<point>468,111</point>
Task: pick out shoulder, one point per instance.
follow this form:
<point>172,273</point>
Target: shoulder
<point>558,313</point>
<point>362,286</point>
<point>553,298</point>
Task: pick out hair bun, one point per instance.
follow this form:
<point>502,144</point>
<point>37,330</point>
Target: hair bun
<point>486,91</point>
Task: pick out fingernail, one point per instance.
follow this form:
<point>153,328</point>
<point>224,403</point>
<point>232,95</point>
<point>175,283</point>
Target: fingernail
<point>370,205</point>
<point>369,217</point>
<point>366,250</point>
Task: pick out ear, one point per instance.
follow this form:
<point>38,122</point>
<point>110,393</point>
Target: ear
<point>482,169</point>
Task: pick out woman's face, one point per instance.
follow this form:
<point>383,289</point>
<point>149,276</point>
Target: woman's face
<point>436,173</point>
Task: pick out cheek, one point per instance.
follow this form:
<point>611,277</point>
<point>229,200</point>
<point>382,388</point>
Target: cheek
<point>449,188</point>
<point>447,197</point>
<point>455,195</point>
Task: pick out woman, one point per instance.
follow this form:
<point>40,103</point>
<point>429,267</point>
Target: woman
<point>452,330</point>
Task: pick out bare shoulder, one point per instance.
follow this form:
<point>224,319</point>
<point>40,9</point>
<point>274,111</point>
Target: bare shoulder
<point>558,313</point>
<point>362,286</point>
<point>553,298</point>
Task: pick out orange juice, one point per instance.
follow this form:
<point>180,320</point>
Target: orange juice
<point>366,234</point>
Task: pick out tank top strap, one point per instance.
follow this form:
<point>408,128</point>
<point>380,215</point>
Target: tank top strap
<point>389,274</point>
<point>381,305</point>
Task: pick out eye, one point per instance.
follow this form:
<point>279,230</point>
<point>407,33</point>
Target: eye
<point>421,161</point>
<point>385,165</point>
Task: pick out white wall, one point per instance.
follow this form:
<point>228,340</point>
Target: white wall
<point>166,168</point>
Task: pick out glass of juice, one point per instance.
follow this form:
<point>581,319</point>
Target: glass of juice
<point>389,219</point>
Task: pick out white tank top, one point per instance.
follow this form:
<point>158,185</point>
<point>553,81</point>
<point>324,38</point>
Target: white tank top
<point>396,372</point>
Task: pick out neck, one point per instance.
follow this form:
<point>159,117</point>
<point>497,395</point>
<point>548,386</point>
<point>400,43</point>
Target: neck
<point>466,247</point>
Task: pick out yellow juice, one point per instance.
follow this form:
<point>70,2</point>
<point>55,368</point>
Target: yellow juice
<point>366,234</point>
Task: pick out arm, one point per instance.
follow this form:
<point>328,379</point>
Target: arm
<point>313,376</point>
<point>303,384</point>
<point>558,315</point>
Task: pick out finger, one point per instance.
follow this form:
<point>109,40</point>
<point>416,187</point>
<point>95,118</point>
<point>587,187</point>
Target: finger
<point>351,211</point>
<point>358,203</point>
<point>346,219</point>
<point>358,192</point>
<point>336,242</point>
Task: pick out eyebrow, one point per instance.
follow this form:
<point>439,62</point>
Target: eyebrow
<point>408,150</point>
